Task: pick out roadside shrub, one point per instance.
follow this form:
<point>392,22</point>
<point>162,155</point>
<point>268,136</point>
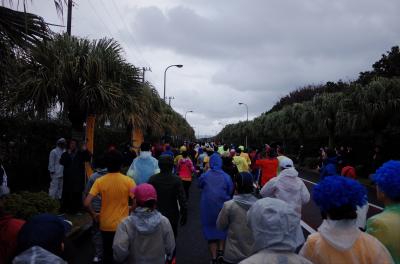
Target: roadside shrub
<point>24,205</point>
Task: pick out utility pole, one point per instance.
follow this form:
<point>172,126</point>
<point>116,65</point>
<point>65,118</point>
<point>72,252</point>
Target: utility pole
<point>169,100</point>
<point>69,18</point>
<point>144,69</point>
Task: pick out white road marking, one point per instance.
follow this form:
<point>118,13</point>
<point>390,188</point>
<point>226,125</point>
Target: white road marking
<point>372,205</point>
<point>375,206</point>
<point>307,227</point>
<point>313,183</point>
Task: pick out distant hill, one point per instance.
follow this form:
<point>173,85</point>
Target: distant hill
<point>307,93</point>
<point>388,66</point>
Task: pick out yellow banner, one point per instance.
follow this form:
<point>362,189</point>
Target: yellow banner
<point>90,121</point>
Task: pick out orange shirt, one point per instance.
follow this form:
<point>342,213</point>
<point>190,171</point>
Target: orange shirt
<point>269,169</point>
<point>114,189</point>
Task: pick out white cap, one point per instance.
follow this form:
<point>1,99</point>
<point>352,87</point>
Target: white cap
<point>286,163</point>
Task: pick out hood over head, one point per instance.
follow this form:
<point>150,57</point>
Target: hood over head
<point>215,161</point>
<point>340,234</point>
<point>275,225</point>
<point>288,180</point>
<point>145,221</point>
<point>145,154</point>
<point>37,254</point>
<point>245,200</point>
<point>290,172</point>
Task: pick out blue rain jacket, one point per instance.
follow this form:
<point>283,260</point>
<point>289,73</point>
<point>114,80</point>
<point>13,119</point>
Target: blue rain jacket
<point>217,188</point>
<point>143,167</point>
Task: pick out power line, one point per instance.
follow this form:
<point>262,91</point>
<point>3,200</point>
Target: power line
<point>130,33</point>
<point>107,28</point>
<point>109,15</point>
<point>101,20</point>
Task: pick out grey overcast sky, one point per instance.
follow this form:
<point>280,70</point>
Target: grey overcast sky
<point>252,51</point>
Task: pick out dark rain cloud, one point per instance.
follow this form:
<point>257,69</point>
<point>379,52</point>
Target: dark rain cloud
<point>239,50</point>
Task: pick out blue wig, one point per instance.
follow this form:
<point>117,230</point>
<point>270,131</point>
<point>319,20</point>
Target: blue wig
<point>387,178</point>
<point>337,191</point>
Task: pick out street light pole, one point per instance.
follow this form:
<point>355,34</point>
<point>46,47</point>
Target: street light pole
<point>190,111</point>
<point>165,74</point>
<point>247,111</point>
<point>69,17</point>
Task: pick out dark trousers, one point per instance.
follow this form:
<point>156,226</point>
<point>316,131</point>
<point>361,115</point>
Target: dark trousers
<point>186,186</point>
<point>108,239</point>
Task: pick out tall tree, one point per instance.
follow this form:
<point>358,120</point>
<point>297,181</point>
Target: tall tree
<point>376,105</point>
<point>326,108</point>
<point>84,77</point>
<point>388,66</point>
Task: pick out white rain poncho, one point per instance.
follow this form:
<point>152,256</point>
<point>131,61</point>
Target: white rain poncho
<point>342,240</point>
<point>37,255</point>
<point>277,232</point>
<point>287,187</point>
<point>55,168</point>
<point>144,237</point>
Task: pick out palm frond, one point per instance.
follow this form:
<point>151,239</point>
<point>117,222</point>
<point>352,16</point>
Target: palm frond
<point>22,29</point>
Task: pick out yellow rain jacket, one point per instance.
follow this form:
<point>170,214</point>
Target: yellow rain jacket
<point>342,242</point>
<point>386,228</point>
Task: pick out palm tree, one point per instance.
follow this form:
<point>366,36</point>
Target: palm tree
<point>376,105</point>
<point>326,108</point>
<point>84,77</point>
<point>23,29</point>
<point>300,118</point>
<point>20,28</point>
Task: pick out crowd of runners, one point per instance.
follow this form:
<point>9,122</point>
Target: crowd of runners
<point>251,206</point>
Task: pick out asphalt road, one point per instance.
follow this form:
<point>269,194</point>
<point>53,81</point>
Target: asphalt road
<point>191,246</point>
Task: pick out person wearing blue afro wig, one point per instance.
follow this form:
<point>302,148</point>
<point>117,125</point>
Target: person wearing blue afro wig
<point>339,197</point>
<point>386,225</point>
<point>339,238</point>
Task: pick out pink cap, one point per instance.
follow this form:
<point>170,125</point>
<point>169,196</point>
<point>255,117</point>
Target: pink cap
<point>144,192</point>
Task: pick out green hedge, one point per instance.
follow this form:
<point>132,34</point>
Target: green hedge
<point>24,205</point>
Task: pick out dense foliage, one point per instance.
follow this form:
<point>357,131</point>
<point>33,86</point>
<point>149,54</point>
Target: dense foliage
<point>24,205</point>
<point>62,77</point>
<point>50,83</point>
<point>356,114</point>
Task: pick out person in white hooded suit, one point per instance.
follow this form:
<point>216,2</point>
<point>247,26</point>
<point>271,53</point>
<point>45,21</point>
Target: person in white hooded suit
<point>287,186</point>
<point>274,225</point>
